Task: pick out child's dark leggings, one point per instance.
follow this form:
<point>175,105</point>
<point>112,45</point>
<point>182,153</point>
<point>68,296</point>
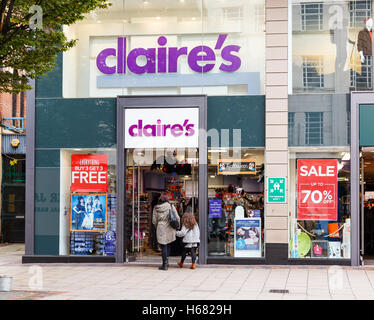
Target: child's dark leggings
<point>193,254</point>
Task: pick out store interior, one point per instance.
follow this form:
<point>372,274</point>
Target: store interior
<point>235,192</point>
<point>148,174</point>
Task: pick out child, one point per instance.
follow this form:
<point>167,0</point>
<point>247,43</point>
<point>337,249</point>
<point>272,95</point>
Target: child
<point>191,237</point>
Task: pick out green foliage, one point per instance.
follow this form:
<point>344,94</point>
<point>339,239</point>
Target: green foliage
<point>27,52</point>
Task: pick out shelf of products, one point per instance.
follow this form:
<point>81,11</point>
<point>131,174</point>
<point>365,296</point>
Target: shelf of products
<point>141,218</point>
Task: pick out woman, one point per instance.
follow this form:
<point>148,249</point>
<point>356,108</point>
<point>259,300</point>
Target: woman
<point>191,238</point>
<point>165,233</point>
<point>79,210</point>
<point>87,223</point>
<point>97,210</point>
<point>252,237</point>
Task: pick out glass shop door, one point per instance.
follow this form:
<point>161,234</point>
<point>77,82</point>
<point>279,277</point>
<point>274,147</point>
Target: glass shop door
<point>148,174</point>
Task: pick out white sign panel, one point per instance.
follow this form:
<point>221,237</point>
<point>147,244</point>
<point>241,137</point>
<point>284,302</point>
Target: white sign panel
<point>162,128</point>
<point>247,238</point>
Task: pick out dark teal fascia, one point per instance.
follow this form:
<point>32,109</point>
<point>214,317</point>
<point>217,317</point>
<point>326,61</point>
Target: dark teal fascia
<point>47,158</point>
<point>246,113</point>
<point>366,125</point>
<point>76,123</point>
<point>50,85</point>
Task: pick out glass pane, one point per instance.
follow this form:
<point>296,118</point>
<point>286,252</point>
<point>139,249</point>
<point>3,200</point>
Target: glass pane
<point>319,202</point>
<point>319,120</point>
<point>332,46</point>
<point>150,172</point>
<point>138,47</point>
<point>236,202</point>
<point>88,202</point>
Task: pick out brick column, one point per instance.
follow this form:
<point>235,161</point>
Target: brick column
<point>276,152</point>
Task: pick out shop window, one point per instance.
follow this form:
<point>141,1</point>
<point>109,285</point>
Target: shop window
<point>314,128</point>
<point>14,168</point>
<point>311,16</point>
<point>88,199</point>
<point>358,11</point>
<point>236,203</point>
<point>319,202</point>
<point>313,75</point>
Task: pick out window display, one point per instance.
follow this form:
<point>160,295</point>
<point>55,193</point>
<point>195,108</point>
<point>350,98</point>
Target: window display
<point>88,186</point>
<point>319,200</point>
<point>236,203</point>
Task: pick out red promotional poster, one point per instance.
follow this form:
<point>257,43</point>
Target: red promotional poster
<point>317,188</point>
<point>89,172</point>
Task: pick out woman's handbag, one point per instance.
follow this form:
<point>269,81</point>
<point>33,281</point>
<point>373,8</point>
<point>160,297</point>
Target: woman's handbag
<point>173,221</point>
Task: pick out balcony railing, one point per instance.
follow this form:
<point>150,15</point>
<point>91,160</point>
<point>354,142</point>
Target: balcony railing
<point>14,123</point>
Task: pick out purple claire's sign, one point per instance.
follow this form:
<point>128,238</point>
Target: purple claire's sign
<point>161,128</point>
<point>164,59</point>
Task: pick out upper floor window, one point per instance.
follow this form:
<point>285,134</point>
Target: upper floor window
<point>311,16</point>
<point>358,12</point>
<point>313,128</point>
<point>313,73</point>
<point>233,13</point>
<point>361,76</point>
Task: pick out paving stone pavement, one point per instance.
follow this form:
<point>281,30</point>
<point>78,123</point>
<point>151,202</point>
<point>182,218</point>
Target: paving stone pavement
<point>143,282</point>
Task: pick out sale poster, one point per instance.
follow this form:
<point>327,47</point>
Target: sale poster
<point>317,189</point>
<point>88,212</point>
<point>89,172</point>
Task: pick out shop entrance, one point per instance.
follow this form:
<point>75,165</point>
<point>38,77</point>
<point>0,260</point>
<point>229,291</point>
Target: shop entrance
<point>149,172</point>
<point>367,204</point>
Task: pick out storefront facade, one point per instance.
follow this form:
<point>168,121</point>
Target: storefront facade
<point>244,113</point>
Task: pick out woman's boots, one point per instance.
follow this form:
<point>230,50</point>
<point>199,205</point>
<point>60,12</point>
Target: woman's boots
<point>165,265</point>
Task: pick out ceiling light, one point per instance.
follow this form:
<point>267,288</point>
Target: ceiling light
<point>193,18</point>
<point>218,150</point>
<point>158,18</point>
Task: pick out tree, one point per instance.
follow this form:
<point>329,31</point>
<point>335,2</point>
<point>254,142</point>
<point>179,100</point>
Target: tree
<point>31,37</point>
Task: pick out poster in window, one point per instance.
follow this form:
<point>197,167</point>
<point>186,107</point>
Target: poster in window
<point>89,173</point>
<point>247,237</point>
<point>88,212</point>
<point>317,186</point>
<point>215,208</point>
